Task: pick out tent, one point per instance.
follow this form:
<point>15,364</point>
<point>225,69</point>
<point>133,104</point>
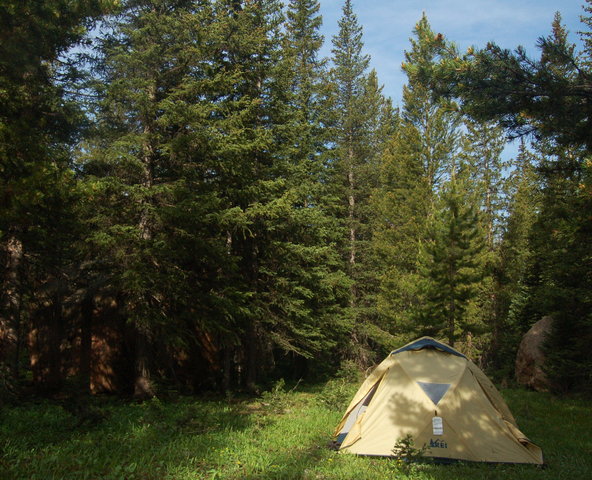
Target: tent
<point>434,393</point>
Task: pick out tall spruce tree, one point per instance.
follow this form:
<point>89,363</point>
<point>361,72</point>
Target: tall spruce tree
<point>450,264</point>
<point>359,113</point>
<point>348,74</point>
<point>435,121</point>
<point>302,43</point>
<point>517,274</point>
<point>153,176</point>
<point>550,98</point>
<point>563,263</point>
<point>38,126</point>
<point>256,170</point>
<point>418,159</point>
<point>309,98</point>
<point>381,124</point>
<point>284,253</point>
<point>305,71</point>
<point>483,144</point>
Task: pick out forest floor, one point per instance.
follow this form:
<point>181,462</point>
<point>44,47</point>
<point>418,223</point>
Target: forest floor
<point>285,434</point>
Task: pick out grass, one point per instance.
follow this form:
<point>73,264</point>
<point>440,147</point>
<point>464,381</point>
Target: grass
<point>283,435</point>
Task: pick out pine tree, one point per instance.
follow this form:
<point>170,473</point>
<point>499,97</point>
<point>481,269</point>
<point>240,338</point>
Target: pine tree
<point>309,96</point>
<point>38,126</point>
<point>483,144</point>
<point>517,275</point>
<point>560,237</point>
<point>548,97</point>
<point>435,121</point>
<point>362,117</point>
<point>309,228</point>
<point>302,43</point>
<point>482,150</point>
<point>152,172</point>
<point>350,64</point>
<point>277,235</point>
<point>450,265</point>
<point>419,158</point>
<point>380,125</point>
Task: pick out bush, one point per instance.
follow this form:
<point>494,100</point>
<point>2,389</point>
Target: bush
<point>406,454</point>
<point>277,399</point>
<point>336,394</point>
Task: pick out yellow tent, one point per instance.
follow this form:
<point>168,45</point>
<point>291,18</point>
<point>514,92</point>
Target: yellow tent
<point>432,392</point>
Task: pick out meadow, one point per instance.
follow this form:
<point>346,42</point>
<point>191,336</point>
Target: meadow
<point>284,434</point>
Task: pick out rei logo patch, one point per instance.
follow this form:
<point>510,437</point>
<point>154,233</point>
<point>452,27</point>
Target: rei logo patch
<point>438,444</point>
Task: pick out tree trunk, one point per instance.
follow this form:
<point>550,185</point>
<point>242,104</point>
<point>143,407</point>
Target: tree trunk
<point>143,387</point>
<point>352,226</point>
<point>45,339</point>
<point>488,204</point>
<point>87,308</point>
<point>10,314</point>
<point>227,372</point>
<point>253,365</point>
<point>451,312</point>
<point>252,347</point>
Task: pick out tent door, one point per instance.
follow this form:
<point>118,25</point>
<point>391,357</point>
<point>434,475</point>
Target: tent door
<point>355,413</point>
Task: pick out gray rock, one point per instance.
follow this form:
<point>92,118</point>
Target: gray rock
<point>530,358</point>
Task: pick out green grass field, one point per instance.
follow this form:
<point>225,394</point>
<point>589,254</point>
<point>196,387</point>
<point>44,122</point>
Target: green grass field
<point>283,435</point>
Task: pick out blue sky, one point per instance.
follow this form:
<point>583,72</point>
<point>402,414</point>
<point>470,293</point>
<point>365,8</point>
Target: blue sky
<point>388,25</point>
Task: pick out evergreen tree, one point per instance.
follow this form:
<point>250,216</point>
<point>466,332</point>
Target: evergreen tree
<point>548,97</point>
<point>482,150</point>
<point>517,274</point>
<point>305,73</point>
<point>310,227</point>
<point>38,125</point>
<point>435,122</point>
<point>450,265</point>
<point>419,158</point>
<point>362,117</point>
<point>287,254</point>
<point>560,237</point>
<point>483,144</point>
<point>348,74</point>
<point>152,171</point>
<point>302,43</point>
<point>402,209</point>
<point>380,125</point>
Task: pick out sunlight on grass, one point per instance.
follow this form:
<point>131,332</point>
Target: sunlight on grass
<point>188,439</point>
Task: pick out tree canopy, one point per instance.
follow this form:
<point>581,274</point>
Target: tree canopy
<point>194,198</point>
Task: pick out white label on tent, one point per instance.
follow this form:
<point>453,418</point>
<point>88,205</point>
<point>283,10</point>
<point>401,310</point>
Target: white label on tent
<point>437,426</point>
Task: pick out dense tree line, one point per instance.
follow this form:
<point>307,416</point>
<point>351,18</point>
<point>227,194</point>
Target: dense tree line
<point>193,198</point>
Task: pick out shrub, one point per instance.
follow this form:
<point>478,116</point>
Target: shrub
<point>277,399</point>
<point>406,453</point>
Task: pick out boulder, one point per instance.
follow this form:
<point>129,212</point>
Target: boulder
<point>530,358</point>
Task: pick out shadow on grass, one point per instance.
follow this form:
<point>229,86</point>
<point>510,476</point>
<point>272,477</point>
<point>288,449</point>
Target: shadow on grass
<point>198,439</point>
<point>146,441</point>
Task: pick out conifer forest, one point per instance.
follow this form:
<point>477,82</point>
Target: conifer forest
<point>192,197</point>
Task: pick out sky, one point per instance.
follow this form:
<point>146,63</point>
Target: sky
<point>388,25</point>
